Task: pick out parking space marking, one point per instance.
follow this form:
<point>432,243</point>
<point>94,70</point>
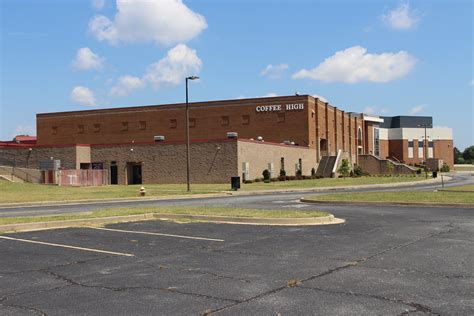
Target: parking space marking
<point>67,246</point>
<point>156,234</point>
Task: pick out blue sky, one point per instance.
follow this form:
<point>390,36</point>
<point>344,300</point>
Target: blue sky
<point>377,57</point>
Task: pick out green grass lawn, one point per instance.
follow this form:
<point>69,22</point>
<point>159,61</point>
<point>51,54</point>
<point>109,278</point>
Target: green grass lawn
<point>405,196</point>
<point>460,188</point>
<point>466,167</point>
<point>27,192</point>
<point>185,210</point>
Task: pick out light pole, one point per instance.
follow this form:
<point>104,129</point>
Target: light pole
<point>425,147</point>
<point>188,164</point>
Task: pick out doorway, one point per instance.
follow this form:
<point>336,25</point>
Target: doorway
<point>134,173</point>
<point>113,173</point>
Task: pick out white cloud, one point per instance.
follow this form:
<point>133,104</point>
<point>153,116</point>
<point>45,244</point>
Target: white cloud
<point>24,130</point>
<point>417,109</point>
<point>163,22</point>
<point>370,110</point>
<point>321,98</point>
<point>274,71</point>
<point>401,18</point>
<point>180,62</point>
<point>86,59</point>
<point>269,95</point>
<point>125,85</point>
<point>98,4</point>
<point>83,96</point>
<point>374,110</point>
<point>354,64</point>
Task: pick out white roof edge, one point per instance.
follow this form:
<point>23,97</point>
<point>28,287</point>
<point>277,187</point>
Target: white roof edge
<point>373,119</point>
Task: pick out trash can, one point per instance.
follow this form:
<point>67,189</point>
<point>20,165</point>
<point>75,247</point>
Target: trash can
<point>435,174</point>
<point>235,183</point>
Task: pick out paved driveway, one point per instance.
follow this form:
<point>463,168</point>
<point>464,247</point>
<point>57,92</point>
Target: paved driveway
<point>384,260</point>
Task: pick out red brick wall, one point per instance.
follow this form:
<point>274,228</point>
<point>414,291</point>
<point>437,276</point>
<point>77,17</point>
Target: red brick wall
<point>208,116</point>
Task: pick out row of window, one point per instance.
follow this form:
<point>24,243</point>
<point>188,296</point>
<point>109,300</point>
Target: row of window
<point>173,123</point>
<point>420,144</point>
<point>421,149</point>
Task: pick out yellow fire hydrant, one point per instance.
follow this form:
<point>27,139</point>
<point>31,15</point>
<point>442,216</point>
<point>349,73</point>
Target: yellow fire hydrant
<point>142,191</point>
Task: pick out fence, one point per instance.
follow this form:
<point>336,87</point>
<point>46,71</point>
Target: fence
<point>77,177</point>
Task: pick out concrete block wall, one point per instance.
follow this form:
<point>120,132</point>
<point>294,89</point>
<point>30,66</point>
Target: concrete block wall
<point>259,155</point>
<point>211,162</point>
<point>25,158</point>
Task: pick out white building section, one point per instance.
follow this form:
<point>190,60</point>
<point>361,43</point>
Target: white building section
<point>436,133</point>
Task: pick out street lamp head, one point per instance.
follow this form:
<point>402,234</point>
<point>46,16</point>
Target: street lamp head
<point>192,77</point>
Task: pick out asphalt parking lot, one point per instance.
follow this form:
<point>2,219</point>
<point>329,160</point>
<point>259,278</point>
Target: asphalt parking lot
<point>382,261</point>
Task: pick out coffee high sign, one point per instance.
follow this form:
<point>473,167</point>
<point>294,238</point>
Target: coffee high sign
<point>278,107</point>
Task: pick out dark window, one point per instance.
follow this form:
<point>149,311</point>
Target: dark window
<point>282,163</point>
<point>54,130</point>
<point>377,142</point>
<point>96,128</point>
<point>281,117</point>
<point>430,144</point>
<point>410,143</point>
<point>192,122</point>
<point>225,121</point>
<point>142,125</point>
<point>124,126</point>
<point>80,129</point>
<point>420,144</point>
<point>359,137</point>
<point>173,123</point>
<point>245,119</point>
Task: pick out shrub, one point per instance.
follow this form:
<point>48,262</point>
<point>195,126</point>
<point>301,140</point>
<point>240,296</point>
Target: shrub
<point>313,172</point>
<point>274,179</point>
<point>418,171</point>
<point>358,172</point>
<point>282,172</point>
<point>282,178</point>
<point>291,178</point>
<point>345,168</point>
<point>266,175</point>
<point>445,168</point>
<point>298,173</point>
<point>257,180</point>
<point>248,181</point>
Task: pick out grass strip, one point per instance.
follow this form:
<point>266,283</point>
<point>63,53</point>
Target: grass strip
<point>28,192</point>
<point>184,210</point>
<point>401,197</point>
<point>460,188</point>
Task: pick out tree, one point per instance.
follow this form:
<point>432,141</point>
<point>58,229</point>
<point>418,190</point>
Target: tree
<point>345,168</point>
<point>468,154</point>
<point>458,156</point>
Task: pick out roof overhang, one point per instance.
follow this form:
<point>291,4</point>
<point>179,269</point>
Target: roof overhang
<point>373,119</point>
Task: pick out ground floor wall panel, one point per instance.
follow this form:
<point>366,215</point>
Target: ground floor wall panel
<point>261,156</point>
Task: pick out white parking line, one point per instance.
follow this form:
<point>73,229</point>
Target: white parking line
<point>67,246</point>
<point>156,234</point>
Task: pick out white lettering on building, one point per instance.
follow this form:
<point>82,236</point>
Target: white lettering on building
<point>278,107</point>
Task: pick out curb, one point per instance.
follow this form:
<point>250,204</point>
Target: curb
<point>461,191</point>
<point>24,227</point>
<point>369,203</point>
<point>222,194</point>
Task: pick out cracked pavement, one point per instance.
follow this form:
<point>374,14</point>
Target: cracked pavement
<point>384,260</point>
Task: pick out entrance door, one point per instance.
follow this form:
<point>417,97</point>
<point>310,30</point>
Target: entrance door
<point>137,174</point>
<point>134,173</point>
<point>113,174</point>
